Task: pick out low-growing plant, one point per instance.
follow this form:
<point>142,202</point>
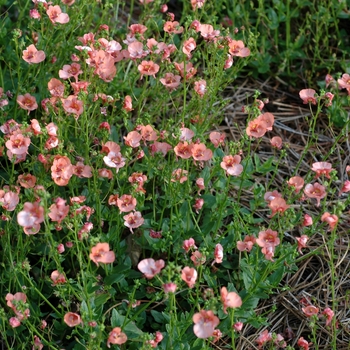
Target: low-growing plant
<point>129,220</point>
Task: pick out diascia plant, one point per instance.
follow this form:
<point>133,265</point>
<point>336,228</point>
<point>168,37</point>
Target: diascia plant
<point>123,219</point>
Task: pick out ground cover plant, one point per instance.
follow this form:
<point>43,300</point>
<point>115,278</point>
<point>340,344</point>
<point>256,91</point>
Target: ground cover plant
<point>155,193</point>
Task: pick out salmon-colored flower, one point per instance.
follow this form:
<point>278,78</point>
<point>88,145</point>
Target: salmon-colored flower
<point>126,203</point>
<point>200,87</point>
<point>17,303</point>
<point>256,128</point>
<point>276,142</point>
<point>188,244</point>
<point>232,165</point>
<point>345,188</point>
<point>57,277</point>
<point>268,237</point>
<point>59,210</point>
<point>116,336</point>
<point>302,240</point>
<point>310,310</point>
<point>322,168</point>
<point>179,175</point>
<point>198,258</point>
<point>18,144</point>
<point>189,69</point>
<point>231,299</point>
<point>150,267</point>
<point>32,55</point>
<point>330,219</point>
<point>173,27</point>
<point>208,33</point>
<point>100,253</point>
<point>148,68</point>
<point>198,204</point>
<point>127,105</point>
<point>8,200</point>
<point>72,319</point>
<point>304,344</point>
<point>189,275</point>
<point>247,244</point>
<point>72,105</point>
<point>218,254</point>
<point>27,102</point>
<point>61,170</point>
<point>183,150</point>
<point>217,138</point>
<point>56,15</point>
<point>133,139</point>
<point>308,96</point>
<point>82,171</point>
<point>170,81</point>
<point>278,205</point>
<point>297,182</point>
<point>114,160</point>
<point>307,221</point>
<point>263,338</point>
<point>237,48</point>
<point>201,152</point>
<point>31,217</point>
<point>205,323</point>
<point>316,191</point>
<point>133,220</point>
<point>70,70</point>
<point>188,46</point>
<point>329,314</point>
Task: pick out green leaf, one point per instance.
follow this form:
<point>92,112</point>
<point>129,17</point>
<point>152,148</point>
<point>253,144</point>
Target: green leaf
<point>115,278</point>
<point>158,317</point>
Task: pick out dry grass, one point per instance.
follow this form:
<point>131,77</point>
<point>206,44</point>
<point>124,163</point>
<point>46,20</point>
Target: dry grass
<point>313,278</point>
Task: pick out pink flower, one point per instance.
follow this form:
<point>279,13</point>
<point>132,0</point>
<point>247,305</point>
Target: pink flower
<point>56,15</point>
<point>263,338</point>
<point>205,323</point>
<point>114,160</point>
<point>200,87</point>
<point>189,275</point>
<point>14,322</point>
<point>190,70</point>
<point>238,326</point>
<point>58,278</point>
<point>329,313</point>
<point>268,237</point>
<point>218,254</point>
<point>232,165</point>
<point>60,248</point>
<point>231,299</point>
<point>61,170</point>
<point>297,182</point>
<point>127,105</point>
<point>308,96</point>
<point>236,48</point>
<point>303,343</point>
<point>173,27</point>
<point>302,240</point>
<point>208,33</point>
<point>169,287</point>
<point>31,217</point>
<point>69,71</point>
<point>188,244</point>
<point>116,336</point>
<point>247,244</point>
<point>179,175</point>
<point>198,204</point>
<point>133,139</point>
<point>72,319</point>
<point>170,81</point>
<point>8,200</point>
<point>126,203</point>
<point>183,150</point>
<point>345,188</point>
<point>307,220</point>
<point>217,138</point>
<point>148,68</point>
<point>72,105</point>
<point>150,267</point>
<point>322,168</point>
<point>37,343</point>
<point>310,310</point>
<point>17,303</point>
<point>276,142</point>
<point>201,152</point>
<point>188,46</point>
<point>18,144</point>
<point>197,4</point>
<point>278,205</point>
<point>198,258</point>
<point>59,210</point>
<point>32,55</point>
<point>27,102</point>
<point>82,171</point>
<point>316,191</point>
<point>100,253</point>
<point>133,220</point>
<point>330,219</point>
